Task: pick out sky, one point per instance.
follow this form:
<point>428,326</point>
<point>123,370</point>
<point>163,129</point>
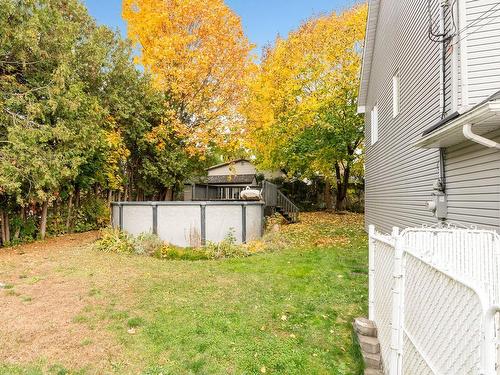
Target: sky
<point>262,19</point>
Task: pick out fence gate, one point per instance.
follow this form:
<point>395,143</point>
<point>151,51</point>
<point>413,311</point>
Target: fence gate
<point>433,295</point>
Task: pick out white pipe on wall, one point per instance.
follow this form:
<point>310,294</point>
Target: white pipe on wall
<point>470,135</point>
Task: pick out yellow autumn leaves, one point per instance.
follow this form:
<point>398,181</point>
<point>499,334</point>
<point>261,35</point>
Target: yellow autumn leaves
<point>306,81</point>
<point>216,94</point>
<point>199,56</point>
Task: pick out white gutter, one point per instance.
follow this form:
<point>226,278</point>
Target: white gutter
<point>470,135</point>
<point>432,139</point>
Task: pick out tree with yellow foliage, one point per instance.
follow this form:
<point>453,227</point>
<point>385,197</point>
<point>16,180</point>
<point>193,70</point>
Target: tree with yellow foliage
<point>198,55</point>
<point>301,111</point>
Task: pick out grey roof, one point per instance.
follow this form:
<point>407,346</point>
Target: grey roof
<point>454,115</point>
<point>232,179</point>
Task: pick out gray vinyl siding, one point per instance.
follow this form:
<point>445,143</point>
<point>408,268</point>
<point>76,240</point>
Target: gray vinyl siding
<point>238,168</point>
<point>473,184</point>
<point>448,77</point>
<point>459,77</point>
<point>483,49</point>
<point>399,177</point>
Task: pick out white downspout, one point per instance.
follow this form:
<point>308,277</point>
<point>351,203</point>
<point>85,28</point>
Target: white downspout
<point>467,130</point>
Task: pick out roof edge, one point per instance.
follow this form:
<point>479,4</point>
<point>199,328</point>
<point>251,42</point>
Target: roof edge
<point>227,163</point>
<point>371,30</point>
<point>429,140</point>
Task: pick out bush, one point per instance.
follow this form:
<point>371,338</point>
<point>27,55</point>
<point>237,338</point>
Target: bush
<point>147,244</point>
<point>28,229</point>
<point>93,213</point>
<point>174,252</point>
<point>115,241</point>
<point>227,248</point>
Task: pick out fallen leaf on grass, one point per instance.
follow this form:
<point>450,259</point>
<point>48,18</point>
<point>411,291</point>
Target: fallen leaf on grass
<point>331,241</point>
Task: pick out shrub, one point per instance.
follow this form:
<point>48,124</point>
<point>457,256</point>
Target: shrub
<point>174,252</point>
<point>115,241</point>
<point>93,213</point>
<point>227,248</point>
<point>28,229</point>
<point>147,244</point>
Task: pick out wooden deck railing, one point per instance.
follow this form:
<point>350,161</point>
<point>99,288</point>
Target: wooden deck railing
<point>279,202</point>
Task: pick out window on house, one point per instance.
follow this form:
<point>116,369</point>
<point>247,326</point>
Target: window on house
<point>374,124</point>
<point>395,95</point>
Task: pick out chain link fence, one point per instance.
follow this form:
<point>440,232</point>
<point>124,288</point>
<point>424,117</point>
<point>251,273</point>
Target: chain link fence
<point>434,296</point>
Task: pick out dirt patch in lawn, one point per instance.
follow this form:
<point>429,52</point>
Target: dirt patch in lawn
<point>51,245</point>
<point>38,306</point>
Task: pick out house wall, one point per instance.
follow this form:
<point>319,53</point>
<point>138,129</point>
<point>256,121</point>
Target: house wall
<point>482,44</point>
<point>473,184</point>
<point>240,167</point>
<point>451,67</point>
<point>399,177</point>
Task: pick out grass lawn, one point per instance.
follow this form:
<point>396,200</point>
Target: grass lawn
<point>67,308</point>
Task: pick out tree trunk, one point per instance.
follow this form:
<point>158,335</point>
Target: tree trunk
<point>140,195</point>
<point>328,195</point>
<point>6,226</point>
<point>110,197</point>
<point>2,228</point>
<point>70,211</point>
<point>22,215</point>
<point>129,193</point>
<point>43,223</point>
<point>342,185</point>
<point>77,198</point>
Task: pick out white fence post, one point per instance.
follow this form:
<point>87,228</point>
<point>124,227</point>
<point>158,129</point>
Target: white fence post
<point>496,239</point>
<point>397,305</point>
<point>371,273</point>
<point>489,343</point>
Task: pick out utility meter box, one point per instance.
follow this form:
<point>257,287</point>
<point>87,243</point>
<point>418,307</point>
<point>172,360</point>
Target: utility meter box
<point>438,205</point>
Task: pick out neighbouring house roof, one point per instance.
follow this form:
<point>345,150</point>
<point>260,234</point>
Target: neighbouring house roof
<point>227,163</point>
<point>368,48</point>
<point>448,131</point>
<point>232,179</point>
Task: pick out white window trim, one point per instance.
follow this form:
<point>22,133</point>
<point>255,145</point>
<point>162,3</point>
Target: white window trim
<point>396,95</point>
<point>374,124</point>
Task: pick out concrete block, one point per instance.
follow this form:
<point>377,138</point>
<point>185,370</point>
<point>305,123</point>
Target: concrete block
<point>372,361</point>
<point>373,371</point>
<point>365,327</point>
<point>369,344</point>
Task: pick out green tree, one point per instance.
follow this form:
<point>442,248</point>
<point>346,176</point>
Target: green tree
<point>301,112</point>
